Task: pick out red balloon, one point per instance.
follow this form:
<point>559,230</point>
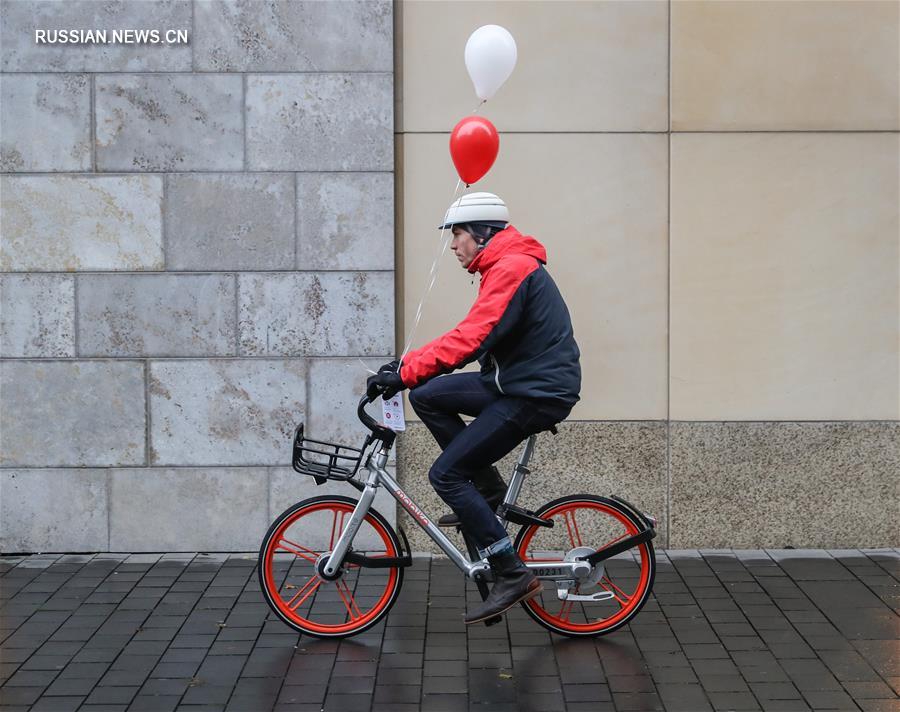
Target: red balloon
<point>474,145</point>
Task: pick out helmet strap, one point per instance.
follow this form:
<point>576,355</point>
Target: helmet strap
<point>481,240</point>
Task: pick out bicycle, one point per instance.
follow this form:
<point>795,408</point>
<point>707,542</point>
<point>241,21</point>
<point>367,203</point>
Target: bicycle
<point>318,583</point>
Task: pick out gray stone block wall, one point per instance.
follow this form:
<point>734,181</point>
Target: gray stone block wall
<point>81,222</point>
<point>169,122</point>
<point>38,315</point>
<point>46,121</point>
<point>196,249</point>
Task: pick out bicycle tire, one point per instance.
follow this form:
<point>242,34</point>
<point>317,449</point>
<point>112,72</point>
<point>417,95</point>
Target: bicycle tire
<point>272,591</point>
<point>630,524</point>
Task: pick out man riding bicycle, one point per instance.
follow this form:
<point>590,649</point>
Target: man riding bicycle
<point>520,331</point>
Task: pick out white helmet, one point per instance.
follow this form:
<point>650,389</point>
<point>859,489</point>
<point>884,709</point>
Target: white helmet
<point>475,207</point>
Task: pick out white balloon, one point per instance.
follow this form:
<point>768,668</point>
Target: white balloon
<point>490,58</point>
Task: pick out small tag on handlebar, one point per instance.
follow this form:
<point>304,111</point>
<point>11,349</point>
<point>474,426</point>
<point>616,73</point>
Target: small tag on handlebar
<point>392,413</point>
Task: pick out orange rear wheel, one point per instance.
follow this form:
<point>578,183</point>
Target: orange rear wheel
<point>617,587</point>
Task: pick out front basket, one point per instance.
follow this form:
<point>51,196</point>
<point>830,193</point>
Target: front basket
<point>324,460</point>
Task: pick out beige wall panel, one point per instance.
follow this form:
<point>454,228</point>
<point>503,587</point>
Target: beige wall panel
<point>784,276</point>
<point>785,65</point>
<point>599,204</point>
<point>582,66</point>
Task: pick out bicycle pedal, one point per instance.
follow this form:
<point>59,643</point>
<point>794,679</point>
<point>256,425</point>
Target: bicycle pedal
<point>493,621</point>
<point>519,515</point>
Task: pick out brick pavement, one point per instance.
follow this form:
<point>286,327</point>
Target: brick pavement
<point>779,630</point>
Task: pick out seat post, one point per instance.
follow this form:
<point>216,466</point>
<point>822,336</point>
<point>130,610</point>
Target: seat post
<point>521,469</point>
<point>527,451</point>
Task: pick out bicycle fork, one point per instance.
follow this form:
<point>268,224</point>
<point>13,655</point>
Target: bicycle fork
<point>346,538</point>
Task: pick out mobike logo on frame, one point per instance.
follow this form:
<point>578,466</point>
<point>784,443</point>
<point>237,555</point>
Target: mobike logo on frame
<point>412,508</point>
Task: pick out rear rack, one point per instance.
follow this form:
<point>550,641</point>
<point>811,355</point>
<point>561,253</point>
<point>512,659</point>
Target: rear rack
<point>326,461</point>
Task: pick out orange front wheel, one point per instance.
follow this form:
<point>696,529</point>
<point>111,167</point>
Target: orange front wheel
<point>291,562</point>
<point>616,588</point>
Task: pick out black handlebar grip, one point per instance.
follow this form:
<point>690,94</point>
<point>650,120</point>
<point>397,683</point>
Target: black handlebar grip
<point>382,433</point>
<point>364,417</point>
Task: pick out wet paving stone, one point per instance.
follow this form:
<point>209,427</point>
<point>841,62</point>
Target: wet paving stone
<point>723,631</point>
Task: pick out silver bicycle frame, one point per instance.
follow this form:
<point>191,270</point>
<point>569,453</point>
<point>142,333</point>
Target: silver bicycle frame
<point>377,476</point>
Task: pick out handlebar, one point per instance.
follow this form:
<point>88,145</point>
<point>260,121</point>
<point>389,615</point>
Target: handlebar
<point>386,435</point>
<point>366,419</point>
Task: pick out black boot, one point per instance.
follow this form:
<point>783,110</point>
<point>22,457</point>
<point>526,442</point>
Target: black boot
<point>513,583</point>
<point>490,485</point>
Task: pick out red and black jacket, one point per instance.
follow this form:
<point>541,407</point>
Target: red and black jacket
<point>519,328</point>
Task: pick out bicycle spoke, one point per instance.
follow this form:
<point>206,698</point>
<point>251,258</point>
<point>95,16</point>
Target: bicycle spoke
<point>349,601</point>
<point>610,543</point>
<point>625,598</point>
<point>565,610</point>
<point>572,527</point>
<point>297,550</point>
<point>333,527</point>
<point>309,587</point>
<point>353,597</point>
<point>569,529</point>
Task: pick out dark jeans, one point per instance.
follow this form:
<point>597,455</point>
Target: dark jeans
<point>501,423</point>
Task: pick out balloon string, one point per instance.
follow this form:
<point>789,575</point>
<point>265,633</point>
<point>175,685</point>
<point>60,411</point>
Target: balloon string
<point>442,242</point>
<point>442,249</point>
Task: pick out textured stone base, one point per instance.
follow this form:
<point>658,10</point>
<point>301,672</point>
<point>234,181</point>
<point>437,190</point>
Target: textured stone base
<point>752,485</point>
<point>731,484</point>
<point>623,458</point>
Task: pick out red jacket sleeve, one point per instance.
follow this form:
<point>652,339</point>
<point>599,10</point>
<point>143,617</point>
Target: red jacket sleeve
<point>459,345</point>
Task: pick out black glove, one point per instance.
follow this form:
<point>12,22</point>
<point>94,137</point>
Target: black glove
<point>387,381</point>
<point>392,367</point>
